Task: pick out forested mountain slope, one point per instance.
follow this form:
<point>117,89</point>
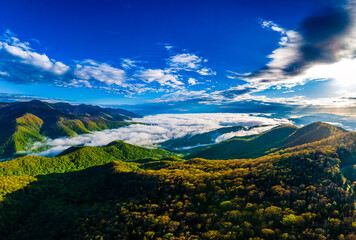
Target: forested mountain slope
<point>23,123</point>
<point>278,138</point>
<point>121,191</point>
<point>78,158</point>
<point>194,140</point>
<point>296,194</point>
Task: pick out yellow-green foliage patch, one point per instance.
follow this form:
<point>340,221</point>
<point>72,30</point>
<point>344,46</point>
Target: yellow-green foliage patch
<point>27,131</point>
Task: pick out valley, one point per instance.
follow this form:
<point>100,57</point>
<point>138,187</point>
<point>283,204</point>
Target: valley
<point>25,123</point>
<point>177,120</point>
<point>295,187</point>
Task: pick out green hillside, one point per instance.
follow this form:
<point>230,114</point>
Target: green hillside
<point>23,123</point>
<point>269,141</point>
<point>25,130</point>
<point>350,173</point>
<point>90,193</point>
<point>311,133</point>
<point>195,140</point>
<point>78,158</point>
<point>249,146</point>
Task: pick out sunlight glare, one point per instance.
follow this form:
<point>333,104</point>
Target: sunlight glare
<point>343,72</point>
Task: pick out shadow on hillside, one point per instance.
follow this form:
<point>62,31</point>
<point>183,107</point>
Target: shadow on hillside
<point>48,207</point>
<point>346,157</point>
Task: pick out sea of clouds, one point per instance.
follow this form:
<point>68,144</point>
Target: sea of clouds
<point>162,127</point>
<point>242,133</point>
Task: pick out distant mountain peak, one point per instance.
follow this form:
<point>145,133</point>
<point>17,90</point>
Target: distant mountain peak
<point>59,120</point>
<point>270,141</point>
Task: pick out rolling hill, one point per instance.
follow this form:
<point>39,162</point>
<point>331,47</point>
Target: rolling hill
<point>269,141</point>
<point>78,158</point>
<point>121,191</point>
<point>23,123</point>
<point>197,140</point>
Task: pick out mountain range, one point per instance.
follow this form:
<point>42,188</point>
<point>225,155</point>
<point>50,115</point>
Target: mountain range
<point>270,141</point>
<point>23,123</point>
<point>285,183</point>
<point>121,191</point>
<point>198,141</point>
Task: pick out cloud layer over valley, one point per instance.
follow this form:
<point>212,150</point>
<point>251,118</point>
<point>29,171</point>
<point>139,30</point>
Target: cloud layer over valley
<point>159,128</point>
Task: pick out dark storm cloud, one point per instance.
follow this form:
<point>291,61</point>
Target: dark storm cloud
<point>323,38</point>
<point>327,24</point>
<point>320,39</point>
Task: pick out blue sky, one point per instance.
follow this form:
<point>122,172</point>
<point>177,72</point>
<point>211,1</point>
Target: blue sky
<point>180,56</point>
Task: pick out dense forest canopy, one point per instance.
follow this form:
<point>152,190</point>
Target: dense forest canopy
<point>243,124</point>
<point>24,123</point>
<point>121,191</point>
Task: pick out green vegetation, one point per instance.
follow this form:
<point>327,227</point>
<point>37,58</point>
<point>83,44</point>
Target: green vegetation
<point>121,191</point>
<point>270,141</point>
<point>198,139</point>
<point>350,173</point>
<point>26,130</point>
<point>23,123</point>
<point>78,158</point>
<point>70,127</point>
<point>311,133</point>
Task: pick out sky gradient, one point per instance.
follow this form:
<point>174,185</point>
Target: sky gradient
<point>182,56</point>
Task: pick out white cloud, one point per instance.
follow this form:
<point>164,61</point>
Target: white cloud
<point>343,98</point>
<point>301,57</point>
<point>20,50</point>
<point>181,95</point>
<point>189,62</point>
<point>11,97</point>
<point>168,47</point>
<point>160,76</point>
<point>206,72</point>
<point>102,72</point>
<point>160,128</point>
<point>273,26</point>
<point>186,61</point>
<point>192,81</point>
<point>279,73</point>
<point>342,72</point>
<point>242,133</point>
<point>282,57</point>
<point>128,63</point>
<point>20,64</point>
